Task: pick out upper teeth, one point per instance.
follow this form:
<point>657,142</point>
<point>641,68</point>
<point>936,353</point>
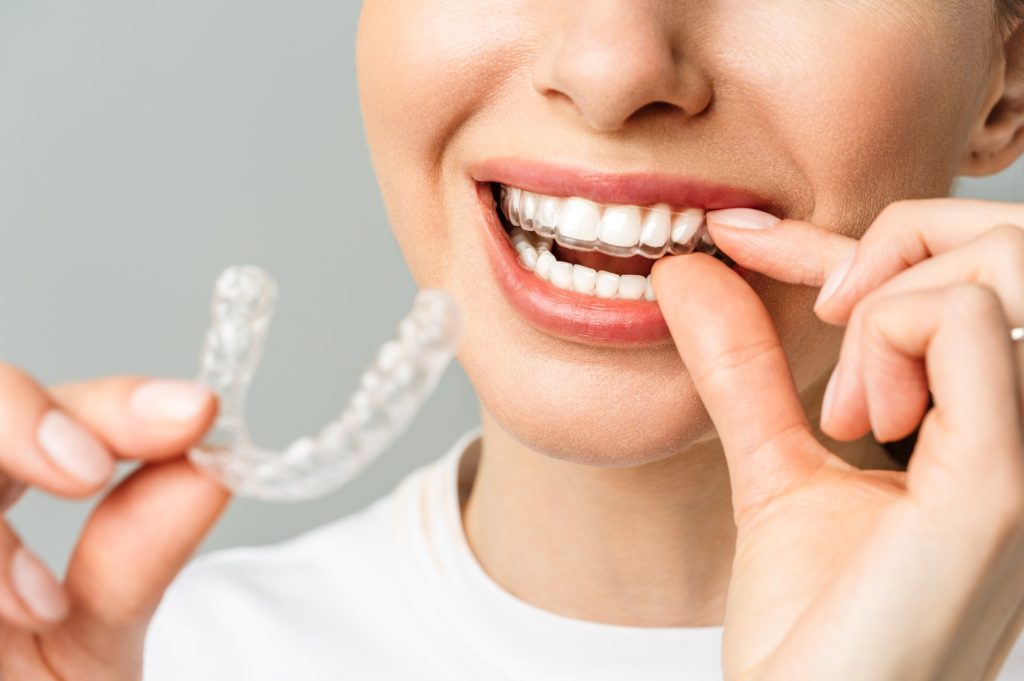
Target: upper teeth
<point>616,230</point>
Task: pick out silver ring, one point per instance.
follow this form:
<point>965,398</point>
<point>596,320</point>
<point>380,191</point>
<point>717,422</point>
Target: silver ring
<point>1017,334</point>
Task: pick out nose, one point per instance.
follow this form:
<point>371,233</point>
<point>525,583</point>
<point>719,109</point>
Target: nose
<point>612,59</point>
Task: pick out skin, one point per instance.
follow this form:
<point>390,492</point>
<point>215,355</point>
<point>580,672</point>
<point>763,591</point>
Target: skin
<point>652,515</point>
<point>578,82</point>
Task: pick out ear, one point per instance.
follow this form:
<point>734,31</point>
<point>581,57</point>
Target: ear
<point>997,138</point>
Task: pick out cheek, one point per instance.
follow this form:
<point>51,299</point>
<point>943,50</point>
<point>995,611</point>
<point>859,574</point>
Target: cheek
<point>869,101</point>
<point>424,67</point>
<point>847,118</point>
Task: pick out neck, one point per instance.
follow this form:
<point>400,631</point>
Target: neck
<point>648,545</point>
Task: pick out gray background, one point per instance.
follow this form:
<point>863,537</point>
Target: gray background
<point>144,146</point>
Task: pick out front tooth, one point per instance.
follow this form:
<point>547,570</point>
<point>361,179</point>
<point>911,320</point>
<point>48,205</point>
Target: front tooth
<point>631,286</point>
<point>657,226</point>
<point>620,226</point>
<point>544,262</point>
<point>561,275</point>
<point>607,284</point>
<point>579,220</point>
<point>546,219</point>
<point>527,210</point>
<point>686,225</point>
<point>584,279</point>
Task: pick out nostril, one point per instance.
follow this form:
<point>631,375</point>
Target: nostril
<point>615,65</point>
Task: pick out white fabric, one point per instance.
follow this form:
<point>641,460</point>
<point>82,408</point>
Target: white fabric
<point>394,592</point>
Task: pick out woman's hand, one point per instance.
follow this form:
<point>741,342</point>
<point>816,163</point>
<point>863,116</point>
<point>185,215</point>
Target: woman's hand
<point>876,575</point>
<point>65,441</point>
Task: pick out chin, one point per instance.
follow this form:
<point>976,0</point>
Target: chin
<point>612,408</point>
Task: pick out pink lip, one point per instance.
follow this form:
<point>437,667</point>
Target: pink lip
<point>574,316</point>
<point>561,313</point>
<point>637,189</point>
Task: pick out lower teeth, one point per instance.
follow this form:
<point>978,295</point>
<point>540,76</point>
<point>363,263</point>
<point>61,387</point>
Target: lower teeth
<point>536,254</point>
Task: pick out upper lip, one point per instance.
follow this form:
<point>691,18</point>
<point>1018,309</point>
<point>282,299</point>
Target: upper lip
<point>639,189</point>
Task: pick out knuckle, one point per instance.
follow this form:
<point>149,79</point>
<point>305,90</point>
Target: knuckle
<point>126,608</point>
<point>891,219</point>
<point>872,316</point>
<point>1006,243</point>
<point>898,213</point>
<point>972,301</point>
<point>897,230</point>
<point>898,210</point>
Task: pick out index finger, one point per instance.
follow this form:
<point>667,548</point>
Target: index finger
<point>65,439</point>
<point>727,341</point>
<point>905,234</point>
<point>140,418</point>
<point>42,446</point>
<point>791,251</point>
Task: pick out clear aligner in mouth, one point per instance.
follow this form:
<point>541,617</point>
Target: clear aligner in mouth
<point>405,373</point>
<point>618,230</point>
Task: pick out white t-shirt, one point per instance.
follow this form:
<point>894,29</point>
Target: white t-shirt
<point>394,592</point>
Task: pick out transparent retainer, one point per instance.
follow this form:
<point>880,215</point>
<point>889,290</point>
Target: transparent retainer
<point>404,374</point>
<point>663,231</point>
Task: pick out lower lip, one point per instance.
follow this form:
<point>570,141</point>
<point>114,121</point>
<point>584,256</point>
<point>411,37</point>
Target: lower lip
<point>565,314</point>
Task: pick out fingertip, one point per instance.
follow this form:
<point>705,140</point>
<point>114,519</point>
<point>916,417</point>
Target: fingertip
<point>663,273</point>
<point>791,251</point>
<point>37,588</point>
<point>675,275</point>
<point>747,219</point>
<point>142,417</point>
<point>171,414</point>
<point>74,450</point>
<point>171,401</point>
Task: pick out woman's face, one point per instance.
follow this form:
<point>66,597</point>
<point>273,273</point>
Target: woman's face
<point>821,110</point>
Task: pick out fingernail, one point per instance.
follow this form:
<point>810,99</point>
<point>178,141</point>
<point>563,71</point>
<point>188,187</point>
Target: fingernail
<point>743,218</point>
<point>830,395</point>
<point>37,587</point>
<point>835,279</point>
<point>74,449</point>
<point>169,400</point>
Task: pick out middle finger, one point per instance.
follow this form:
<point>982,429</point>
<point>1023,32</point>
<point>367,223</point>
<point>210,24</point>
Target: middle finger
<point>995,259</point>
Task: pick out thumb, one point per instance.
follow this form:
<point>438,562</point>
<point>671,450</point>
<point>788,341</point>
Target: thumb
<point>727,341</point>
<point>133,545</point>
<point>789,250</point>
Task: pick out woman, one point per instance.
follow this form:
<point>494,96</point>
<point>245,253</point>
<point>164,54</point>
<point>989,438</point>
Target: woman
<point>659,489</point>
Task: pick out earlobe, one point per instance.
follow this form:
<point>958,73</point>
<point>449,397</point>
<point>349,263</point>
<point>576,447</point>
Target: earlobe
<point>997,138</point>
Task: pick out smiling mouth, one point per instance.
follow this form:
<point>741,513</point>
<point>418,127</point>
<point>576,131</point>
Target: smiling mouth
<point>599,250</point>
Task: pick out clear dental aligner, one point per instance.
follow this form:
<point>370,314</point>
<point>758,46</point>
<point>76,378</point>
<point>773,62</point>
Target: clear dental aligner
<point>535,222</point>
<point>624,231</point>
<point>404,374</point>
